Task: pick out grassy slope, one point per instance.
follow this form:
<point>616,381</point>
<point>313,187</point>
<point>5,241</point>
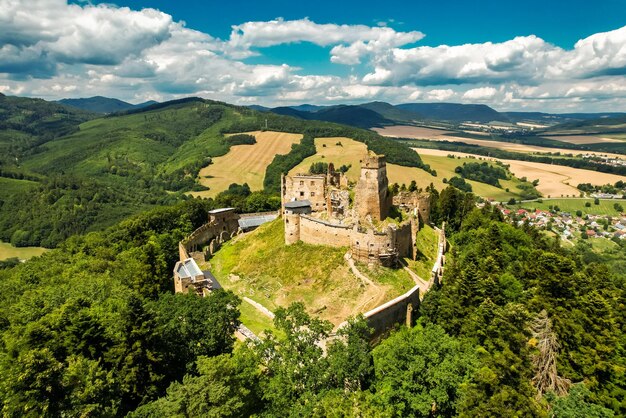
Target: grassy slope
<point>572,205</point>
<point>274,274</point>
<point>427,241</point>
<point>23,253</point>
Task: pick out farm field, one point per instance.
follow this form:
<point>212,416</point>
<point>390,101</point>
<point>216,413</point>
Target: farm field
<point>23,253</point>
<point>260,266</point>
<point>350,152</point>
<point>440,135</point>
<point>573,204</point>
<point>245,163</point>
<point>552,179</point>
<point>445,169</point>
<point>583,139</point>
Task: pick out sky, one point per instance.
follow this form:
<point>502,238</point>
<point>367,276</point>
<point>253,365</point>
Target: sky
<point>549,55</point>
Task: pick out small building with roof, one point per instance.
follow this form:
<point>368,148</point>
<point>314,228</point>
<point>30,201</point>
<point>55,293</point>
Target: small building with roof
<point>188,277</point>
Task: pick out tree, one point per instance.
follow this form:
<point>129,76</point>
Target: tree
<point>350,357</point>
<point>193,326</point>
<point>413,186</point>
<point>420,372</point>
<point>577,404</point>
<point>546,377</point>
<point>295,366</point>
<point>227,386</point>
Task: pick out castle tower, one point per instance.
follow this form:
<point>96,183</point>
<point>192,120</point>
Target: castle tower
<point>372,191</point>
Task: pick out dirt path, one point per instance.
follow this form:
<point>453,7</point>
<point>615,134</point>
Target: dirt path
<point>356,272</point>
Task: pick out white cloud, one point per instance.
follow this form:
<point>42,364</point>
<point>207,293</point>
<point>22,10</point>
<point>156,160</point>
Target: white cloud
<point>480,94</point>
<point>440,95</point>
<point>352,41</point>
<point>53,49</point>
<point>41,33</point>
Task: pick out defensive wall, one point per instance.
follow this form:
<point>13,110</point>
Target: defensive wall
<point>367,245</point>
<point>401,310</point>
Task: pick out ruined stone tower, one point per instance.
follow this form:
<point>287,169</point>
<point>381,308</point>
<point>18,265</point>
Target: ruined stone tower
<point>372,191</point>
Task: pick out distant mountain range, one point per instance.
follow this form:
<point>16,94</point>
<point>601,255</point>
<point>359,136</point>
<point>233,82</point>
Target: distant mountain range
<point>100,104</point>
<point>377,114</point>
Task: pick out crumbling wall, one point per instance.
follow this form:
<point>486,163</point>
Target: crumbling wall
<point>315,231</point>
<point>311,188</point>
<point>409,201</point>
<point>373,247</point>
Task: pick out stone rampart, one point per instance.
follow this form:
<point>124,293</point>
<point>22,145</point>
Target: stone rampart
<point>400,310</point>
<point>316,231</point>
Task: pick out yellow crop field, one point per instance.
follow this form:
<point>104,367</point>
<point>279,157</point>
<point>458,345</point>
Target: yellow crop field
<point>245,163</point>
<point>417,132</point>
<point>582,139</point>
<point>350,152</point>
<point>337,150</point>
<point>554,180</point>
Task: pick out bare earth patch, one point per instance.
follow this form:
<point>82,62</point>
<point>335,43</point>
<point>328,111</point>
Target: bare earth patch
<point>245,163</point>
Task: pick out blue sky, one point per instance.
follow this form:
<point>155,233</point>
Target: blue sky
<point>531,55</point>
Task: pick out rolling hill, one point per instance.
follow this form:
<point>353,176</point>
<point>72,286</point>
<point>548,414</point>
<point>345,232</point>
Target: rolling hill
<point>99,104</point>
<point>88,172</point>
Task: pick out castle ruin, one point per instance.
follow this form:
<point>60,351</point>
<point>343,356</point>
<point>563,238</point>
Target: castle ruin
<point>319,209</point>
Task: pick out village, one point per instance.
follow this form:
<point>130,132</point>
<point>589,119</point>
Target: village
<point>571,226</point>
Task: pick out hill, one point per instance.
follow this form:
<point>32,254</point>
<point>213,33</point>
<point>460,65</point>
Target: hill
<point>358,116</point>
<point>92,174</point>
<point>601,125</point>
<point>391,112</point>
<point>99,104</point>
<point>26,123</point>
<point>454,112</point>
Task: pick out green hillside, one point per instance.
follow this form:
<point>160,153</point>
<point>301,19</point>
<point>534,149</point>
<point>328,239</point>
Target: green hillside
<point>69,172</point>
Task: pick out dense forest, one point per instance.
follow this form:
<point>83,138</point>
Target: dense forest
<point>519,326</point>
<point>482,172</point>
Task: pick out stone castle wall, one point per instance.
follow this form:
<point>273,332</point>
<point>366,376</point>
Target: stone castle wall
<point>372,190</point>
<point>370,246</point>
<point>311,188</point>
<point>401,310</point>
<point>414,200</point>
<point>315,231</point>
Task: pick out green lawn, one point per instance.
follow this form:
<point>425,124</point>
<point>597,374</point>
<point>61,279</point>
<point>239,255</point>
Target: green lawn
<point>572,205</point>
<point>259,265</point>
<point>254,320</point>
<point>398,279</point>
<point>23,253</point>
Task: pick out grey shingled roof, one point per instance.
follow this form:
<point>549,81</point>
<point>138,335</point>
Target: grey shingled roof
<point>188,268</point>
<point>220,210</point>
<point>297,204</point>
<point>254,221</point>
